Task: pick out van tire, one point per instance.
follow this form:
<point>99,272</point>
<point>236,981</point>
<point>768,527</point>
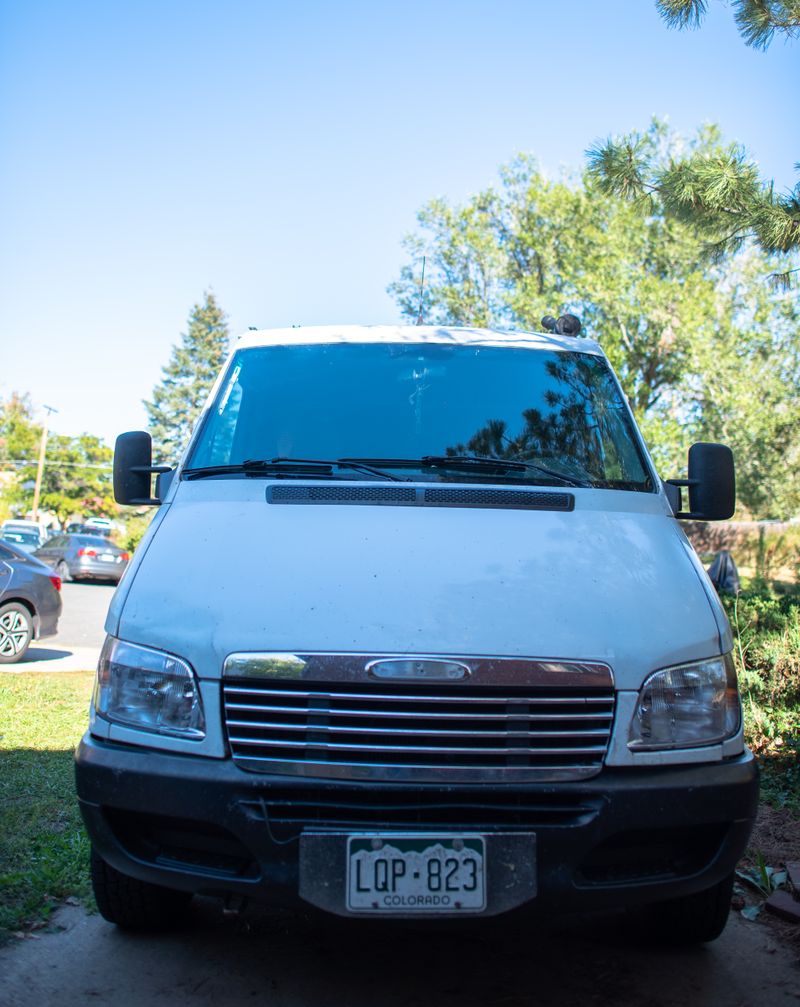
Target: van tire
<point>134,904</point>
<point>692,919</point>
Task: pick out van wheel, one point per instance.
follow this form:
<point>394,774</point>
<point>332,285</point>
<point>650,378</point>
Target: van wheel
<point>16,632</point>
<point>693,919</point>
<point>133,904</point>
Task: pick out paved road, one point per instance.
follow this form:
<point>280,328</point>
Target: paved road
<point>80,632</point>
<point>297,961</point>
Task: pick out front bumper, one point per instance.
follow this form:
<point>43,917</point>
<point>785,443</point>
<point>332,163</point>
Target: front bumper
<point>622,838</point>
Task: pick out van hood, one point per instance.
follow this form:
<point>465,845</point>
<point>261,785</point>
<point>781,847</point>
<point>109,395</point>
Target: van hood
<point>224,571</point>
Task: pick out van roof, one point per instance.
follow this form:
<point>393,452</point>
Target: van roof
<point>313,334</point>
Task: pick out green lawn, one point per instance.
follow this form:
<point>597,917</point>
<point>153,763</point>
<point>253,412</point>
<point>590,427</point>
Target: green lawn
<point>43,848</point>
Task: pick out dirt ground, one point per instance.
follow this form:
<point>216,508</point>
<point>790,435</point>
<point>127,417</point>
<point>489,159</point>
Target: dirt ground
<point>262,957</point>
<point>776,835</point>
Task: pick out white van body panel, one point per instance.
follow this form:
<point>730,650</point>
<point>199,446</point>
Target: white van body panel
<point>610,581</point>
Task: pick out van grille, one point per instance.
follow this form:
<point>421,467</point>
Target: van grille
<point>435,732</point>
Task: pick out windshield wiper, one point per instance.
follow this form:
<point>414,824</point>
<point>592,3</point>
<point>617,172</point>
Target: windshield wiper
<point>487,463</point>
<point>472,463</point>
<point>339,463</point>
<point>284,466</point>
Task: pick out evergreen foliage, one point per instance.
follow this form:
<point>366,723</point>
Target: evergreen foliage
<point>757,20</point>
<point>709,185</point>
<point>713,186</point>
<point>188,377</point>
<point>704,350</point>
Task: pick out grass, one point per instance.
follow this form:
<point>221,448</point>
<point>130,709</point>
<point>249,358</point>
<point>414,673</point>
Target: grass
<point>43,847</point>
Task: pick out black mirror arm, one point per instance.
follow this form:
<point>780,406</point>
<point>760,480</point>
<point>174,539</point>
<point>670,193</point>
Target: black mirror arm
<point>686,514</point>
<point>151,469</point>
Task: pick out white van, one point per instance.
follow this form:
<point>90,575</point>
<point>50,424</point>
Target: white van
<point>416,632</point>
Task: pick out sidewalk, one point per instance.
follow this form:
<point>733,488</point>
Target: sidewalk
<point>55,658</point>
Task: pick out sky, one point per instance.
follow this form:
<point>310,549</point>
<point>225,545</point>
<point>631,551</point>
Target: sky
<point>278,153</point>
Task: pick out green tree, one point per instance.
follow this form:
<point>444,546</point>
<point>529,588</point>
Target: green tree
<point>714,186</point>
<point>757,20</point>
<point>77,470</point>
<point>77,477</point>
<point>19,433</point>
<point>178,400</point>
<point>670,321</point>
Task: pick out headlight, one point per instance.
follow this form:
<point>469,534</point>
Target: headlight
<point>149,690</point>
<point>686,706</point>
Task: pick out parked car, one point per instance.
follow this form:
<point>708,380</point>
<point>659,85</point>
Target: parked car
<point>99,524</point>
<point>30,602</point>
<point>84,557</point>
<point>75,528</point>
<point>466,662</point>
<point>28,541</point>
<point>19,526</point>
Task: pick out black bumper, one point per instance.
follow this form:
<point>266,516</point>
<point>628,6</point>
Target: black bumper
<point>625,837</point>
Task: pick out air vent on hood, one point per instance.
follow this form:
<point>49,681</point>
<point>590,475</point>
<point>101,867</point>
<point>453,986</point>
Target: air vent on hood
<point>409,496</point>
<point>446,496</point>
<point>325,494</point>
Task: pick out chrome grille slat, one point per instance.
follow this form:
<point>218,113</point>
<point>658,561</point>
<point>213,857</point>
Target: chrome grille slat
<point>388,770</point>
<point>417,714</point>
<point>407,731</point>
<point>383,732</point>
<point>386,697</point>
<point>427,749</point>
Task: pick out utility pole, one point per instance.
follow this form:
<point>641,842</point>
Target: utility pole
<point>40,469</point>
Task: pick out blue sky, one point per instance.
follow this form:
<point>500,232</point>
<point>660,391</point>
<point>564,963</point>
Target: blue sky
<point>277,153</point>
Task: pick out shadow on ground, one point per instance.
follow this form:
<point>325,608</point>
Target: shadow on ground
<point>297,960</point>
<point>35,654</point>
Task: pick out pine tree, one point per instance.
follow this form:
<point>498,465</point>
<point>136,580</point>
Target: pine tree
<point>713,187</point>
<point>757,20</point>
<point>719,191</point>
<point>188,377</point>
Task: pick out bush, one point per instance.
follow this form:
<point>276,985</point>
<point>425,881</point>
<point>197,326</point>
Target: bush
<point>770,551</point>
<point>766,631</point>
<point>135,528</point>
<point>767,645</point>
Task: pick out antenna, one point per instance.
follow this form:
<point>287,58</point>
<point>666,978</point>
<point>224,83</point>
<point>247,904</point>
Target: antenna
<point>421,291</point>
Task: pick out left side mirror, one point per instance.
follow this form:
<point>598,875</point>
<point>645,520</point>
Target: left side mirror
<point>133,469</point>
<point>711,483</point>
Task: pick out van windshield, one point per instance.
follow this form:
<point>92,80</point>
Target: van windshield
<point>390,404</point>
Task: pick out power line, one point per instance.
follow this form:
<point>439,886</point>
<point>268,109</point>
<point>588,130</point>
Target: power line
<point>22,462</point>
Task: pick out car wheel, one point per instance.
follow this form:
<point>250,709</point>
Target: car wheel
<point>134,904</point>
<point>693,919</point>
<point>63,571</point>
<point>16,632</point>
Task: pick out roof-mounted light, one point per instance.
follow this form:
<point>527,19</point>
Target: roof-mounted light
<point>566,325</point>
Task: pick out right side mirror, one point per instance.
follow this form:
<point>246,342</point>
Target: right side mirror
<point>711,483</point>
<point>133,469</point>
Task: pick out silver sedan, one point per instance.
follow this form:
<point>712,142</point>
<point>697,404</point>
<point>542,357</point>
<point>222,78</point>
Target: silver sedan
<point>84,557</point>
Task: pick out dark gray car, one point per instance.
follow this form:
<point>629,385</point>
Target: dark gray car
<point>84,557</point>
<point>30,602</point>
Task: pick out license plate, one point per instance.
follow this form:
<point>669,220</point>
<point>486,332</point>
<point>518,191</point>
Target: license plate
<point>416,874</point>
<point>107,557</point>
